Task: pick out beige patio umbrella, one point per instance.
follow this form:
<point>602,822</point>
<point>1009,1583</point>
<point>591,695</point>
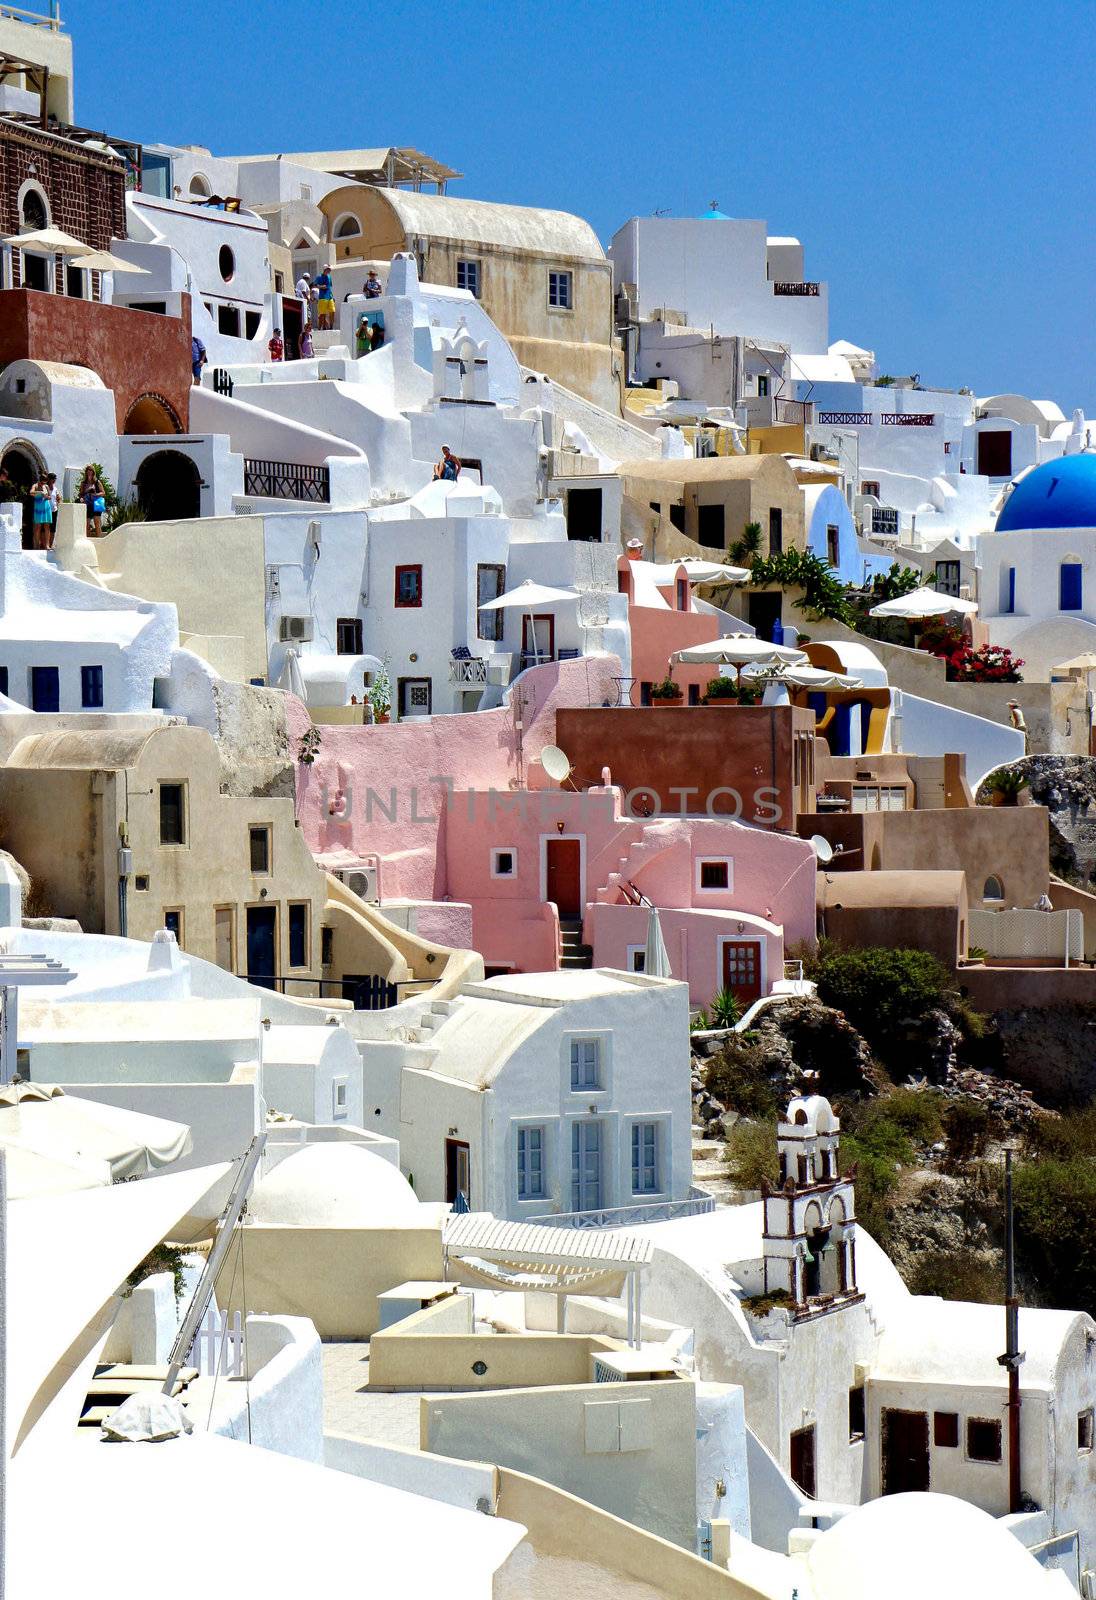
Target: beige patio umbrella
<point>103,261</point>
<point>51,241</point>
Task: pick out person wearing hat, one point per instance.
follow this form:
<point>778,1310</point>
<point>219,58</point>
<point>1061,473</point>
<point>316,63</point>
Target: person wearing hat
<point>1016,718</point>
<point>303,290</point>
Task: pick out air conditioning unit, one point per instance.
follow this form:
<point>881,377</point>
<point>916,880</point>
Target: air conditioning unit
<point>361,881</point>
<point>631,1366</point>
<point>295,630</point>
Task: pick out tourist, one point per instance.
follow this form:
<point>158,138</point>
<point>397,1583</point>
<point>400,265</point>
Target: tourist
<point>304,343</point>
<point>325,304</point>
<point>448,468</point>
<point>364,336</point>
<point>41,513</point>
<point>55,501</point>
<point>1016,718</point>
<point>378,335</point>
<point>92,493</point>
<point>198,358</point>
<point>303,290</point>
<point>276,347</point>
<point>372,288</point>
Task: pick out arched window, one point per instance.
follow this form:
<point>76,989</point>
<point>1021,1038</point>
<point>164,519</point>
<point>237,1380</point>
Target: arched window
<point>33,210</point>
<point>200,185</point>
<point>347,228</point>
<point>993,889</point>
<point>226,263</point>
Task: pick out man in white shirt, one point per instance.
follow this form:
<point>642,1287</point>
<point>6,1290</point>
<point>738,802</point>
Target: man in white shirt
<point>303,289</point>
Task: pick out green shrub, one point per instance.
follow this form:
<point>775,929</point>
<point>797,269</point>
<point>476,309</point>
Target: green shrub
<point>1056,1245</point>
<point>877,988</point>
<point>957,1275</point>
<point>759,1305</point>
<point>969,1127</point>
<point>916,1113</point>
<point>751,1154</point>
<point>726,1010</point>
<point>738,1076</point>
<point>876,1179</point>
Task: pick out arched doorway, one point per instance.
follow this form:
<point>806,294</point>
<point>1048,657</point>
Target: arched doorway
<point>150,413</point>
<point>23,464</point>
<point>169,486</point>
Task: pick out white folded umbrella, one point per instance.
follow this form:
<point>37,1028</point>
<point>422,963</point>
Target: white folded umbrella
<point>923,602</point>
<point>656,959</point>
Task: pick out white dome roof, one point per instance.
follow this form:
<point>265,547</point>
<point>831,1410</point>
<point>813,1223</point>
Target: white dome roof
<point>907,1546</point>
<point>334,1186</point>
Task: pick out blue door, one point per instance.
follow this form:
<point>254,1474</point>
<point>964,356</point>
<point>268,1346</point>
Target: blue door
<point>45,689</point>
<point>586,1166</point>
<point>262,925</point>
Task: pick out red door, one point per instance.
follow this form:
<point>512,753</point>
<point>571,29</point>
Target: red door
<point>564,876</point>
<point>742,968</point>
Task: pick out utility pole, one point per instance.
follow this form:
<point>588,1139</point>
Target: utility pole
<point>1013,1356</point>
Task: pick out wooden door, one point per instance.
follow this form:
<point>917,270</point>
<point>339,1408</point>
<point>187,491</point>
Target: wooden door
<point>262,945</point>
<point>564,876</point>
<point>742,969</point>
<point>905,1451</point>
<point>457,1170</point>
<point>802,1467</point>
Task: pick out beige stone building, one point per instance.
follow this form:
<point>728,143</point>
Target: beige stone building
<point>542,276</point>
<point>707,502</point>
<point>229,874</point>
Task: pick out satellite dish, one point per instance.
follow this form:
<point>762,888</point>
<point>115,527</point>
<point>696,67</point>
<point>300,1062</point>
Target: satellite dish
<point>822,848</point>
<point>555,763</point>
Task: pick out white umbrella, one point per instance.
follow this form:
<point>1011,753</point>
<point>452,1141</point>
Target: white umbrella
<point>103,261</point>
<point>292,678</point>
<point>923,603</point>
<point>54,241</point>
<point>656,960</point>
<point>525,597</point>
<point>805,677</point>
<point>738,650</point>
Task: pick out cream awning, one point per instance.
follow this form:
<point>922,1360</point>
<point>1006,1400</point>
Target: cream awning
<point>68,1129</point>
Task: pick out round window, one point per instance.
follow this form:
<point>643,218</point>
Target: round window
<point>479,1368</point>
<point>227,263</point>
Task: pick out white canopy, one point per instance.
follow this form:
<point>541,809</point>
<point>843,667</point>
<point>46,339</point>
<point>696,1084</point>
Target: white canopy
<point>738,650</point>
<point>923,602</point>
<point>807,677</point>
<point>66,1128</point>
<point>54,241</point>
<point>103,261</point>
<point>527,595</point>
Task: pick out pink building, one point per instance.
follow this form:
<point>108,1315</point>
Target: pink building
<point>663,616</point>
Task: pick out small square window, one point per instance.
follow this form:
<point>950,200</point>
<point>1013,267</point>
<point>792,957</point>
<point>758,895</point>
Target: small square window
<point>172,813</point>
<point>715,875</point>
<point>91,687</point>
<point>585,1063</point>
<point>408,586</point>
<point>637,958</point>
<point>504,863</point>
<point>560,289</point>
<point>338,1098</point>
<point>1084,1430</point>
<point>945,1429</point>
<point>468,277</point>
<point>140,883</point>
<point>856,1413</point>
<point>983,1439</point>
<point>259,846</point>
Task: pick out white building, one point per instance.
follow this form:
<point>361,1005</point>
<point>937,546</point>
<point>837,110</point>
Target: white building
<point>546,1092</point>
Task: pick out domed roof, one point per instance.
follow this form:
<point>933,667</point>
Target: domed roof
<point>333,1186</point>
<point>907,1546</point>
<point>713,214</point>
<point>1059,494</point>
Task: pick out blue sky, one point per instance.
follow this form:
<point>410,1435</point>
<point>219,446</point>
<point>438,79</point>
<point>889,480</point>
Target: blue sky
<point>936,159</point>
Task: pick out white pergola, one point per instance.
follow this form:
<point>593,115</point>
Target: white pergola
<point>20,972</point>
<point>560,1261</point>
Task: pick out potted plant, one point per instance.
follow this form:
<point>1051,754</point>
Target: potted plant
<point>1004,786</point>
<point>721,691</point>
<point>379,695</point>
<point>667,693</point>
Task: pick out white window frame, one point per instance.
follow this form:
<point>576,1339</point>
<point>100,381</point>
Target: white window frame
<point>712,861</point>
<point>757,937</point>
<point>340,1109</point>
<point>658,1126</point>
<point>470,266</point>
<point>603,1039</point>
<point>633,951</point>
<point>562,276</point>
<point>504,850</point>
<point>521,1169</point>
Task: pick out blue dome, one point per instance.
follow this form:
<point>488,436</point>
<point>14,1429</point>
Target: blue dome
<point>1059,494</point>
<point>713,214</point>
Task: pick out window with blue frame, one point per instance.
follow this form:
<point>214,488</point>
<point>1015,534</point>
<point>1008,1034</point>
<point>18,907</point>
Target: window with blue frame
<point>45,689</point>
<point>645,1158</point>
<point>91,687</point>
<point>1069,586</point>
<point>530,1163</point>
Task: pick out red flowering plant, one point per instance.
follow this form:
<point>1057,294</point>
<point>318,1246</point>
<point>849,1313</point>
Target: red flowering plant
<point>992,663</point>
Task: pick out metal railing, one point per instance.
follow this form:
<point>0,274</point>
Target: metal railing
<point>287,480</point>
<point>698,1204</point>
<point>792,410</point>
<point>797,289</point>
<point>368,993</point>
<point>36,18</point>
<point>473,671</point>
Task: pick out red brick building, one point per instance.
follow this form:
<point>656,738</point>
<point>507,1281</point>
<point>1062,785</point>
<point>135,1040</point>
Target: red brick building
<point>49,180</point>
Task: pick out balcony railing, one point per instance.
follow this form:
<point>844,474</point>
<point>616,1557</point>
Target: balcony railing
<point>287,480</point>
<point>472,672</point>
<point>804,289</point>
<point>698,1204</point>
